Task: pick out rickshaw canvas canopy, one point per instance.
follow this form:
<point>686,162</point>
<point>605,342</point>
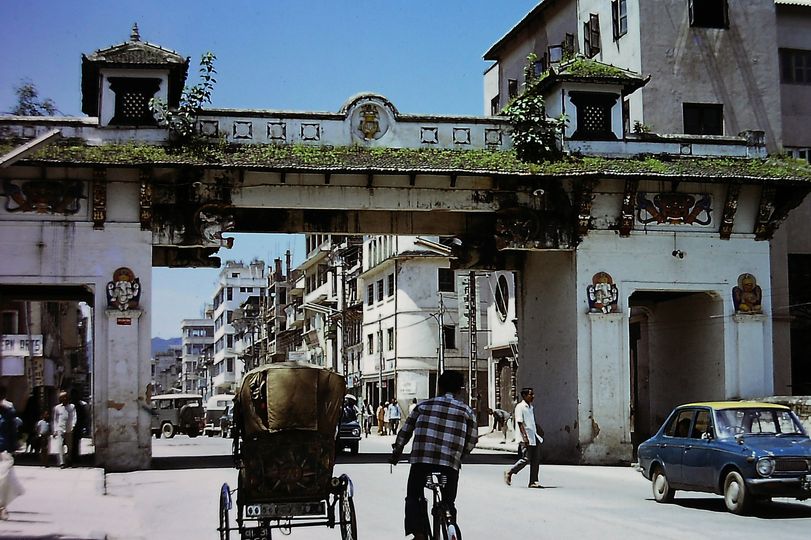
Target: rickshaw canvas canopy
<point>291,396</point>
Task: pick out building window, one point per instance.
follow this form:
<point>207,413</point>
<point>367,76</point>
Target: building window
<point>132,97</point>
<point>370,343</point>
<point>230,365</point>
<point>703,119</point>
<point>593,115</point>
<point>502,298</point>
<point>229,341</point>
<point>795,66</point>
<point>10,322</point>
<point>512,88</point>
<point>379,290</point>
<point>494,108</point>
<point>391,285</point>
<point>229,317</point>
<point>447,281</point>
<point>390,338</point>
<point>229,293</point>
<point>449,336</point>
<point>370,294</point>
<point>709,13</point>
<point>591,36</point>
<point>800,153</point>
<point>619,16</point>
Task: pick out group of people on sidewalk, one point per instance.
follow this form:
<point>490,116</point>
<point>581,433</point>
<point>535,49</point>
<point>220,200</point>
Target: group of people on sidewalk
<point>39,440</point>
<point>386,416</point>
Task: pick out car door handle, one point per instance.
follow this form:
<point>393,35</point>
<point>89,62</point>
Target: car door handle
<point>663,445</point>
<point>689,446</point>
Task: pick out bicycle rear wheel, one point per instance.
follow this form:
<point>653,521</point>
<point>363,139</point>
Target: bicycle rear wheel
<point>444,527</point>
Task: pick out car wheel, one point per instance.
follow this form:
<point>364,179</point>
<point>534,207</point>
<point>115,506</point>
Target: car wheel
<point>168,430</point>
<point>354,447</point>
<point>736,497</point>
<point>662,492</point>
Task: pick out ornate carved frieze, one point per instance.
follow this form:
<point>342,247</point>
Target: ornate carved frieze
<point>43,196</point>
<point>124,291</point>
<point>775,204</point>
<point>145,200</point>
<point>730,207</point>
<point>213,220</point>
<point>99,212</point>
<point>627,211</point>
<point>674,208</point>
<point>547,224</point>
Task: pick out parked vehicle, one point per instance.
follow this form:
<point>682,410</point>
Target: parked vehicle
<point>349,431</point>
<point>177,413</point>
<point>216,408</point>
<point>744,450</point>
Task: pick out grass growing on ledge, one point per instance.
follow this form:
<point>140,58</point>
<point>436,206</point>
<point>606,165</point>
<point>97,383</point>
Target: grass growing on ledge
<point>410,160</point>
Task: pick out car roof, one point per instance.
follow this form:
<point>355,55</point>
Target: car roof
<point>735,405</point>
<point>174,396</point>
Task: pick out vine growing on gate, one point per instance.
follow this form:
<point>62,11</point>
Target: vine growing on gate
<point>182,121</point>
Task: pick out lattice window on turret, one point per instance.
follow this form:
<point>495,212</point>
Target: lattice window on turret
<point>594,111</point>
<point>132,97</point>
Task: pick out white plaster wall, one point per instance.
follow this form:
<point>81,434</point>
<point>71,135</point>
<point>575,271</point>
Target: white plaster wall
<point>735,66</point>
<point>490,87</point>
<point>70,253</point>
<point>644,263</point>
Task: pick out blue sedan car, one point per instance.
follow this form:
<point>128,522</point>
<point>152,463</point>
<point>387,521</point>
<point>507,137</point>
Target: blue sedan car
<point>744,450</point>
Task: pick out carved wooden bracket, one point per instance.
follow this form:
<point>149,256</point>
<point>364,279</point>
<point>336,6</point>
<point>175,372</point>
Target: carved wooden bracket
<point>730,207</point>
<point>145,200</point>
<point>583,199</point>
<point>775,204</point>
<point>99,198</point>
<point>764,214</point>
<point>627,212</point>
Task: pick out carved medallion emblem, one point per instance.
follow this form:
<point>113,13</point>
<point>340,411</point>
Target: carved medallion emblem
<point>369,121</point>
<point>674,208</point>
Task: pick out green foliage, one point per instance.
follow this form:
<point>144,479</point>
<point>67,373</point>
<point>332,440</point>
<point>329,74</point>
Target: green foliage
<point>29,102</point>
<point>182,121</point>
<point>535,136</point>
<point>639,127</point>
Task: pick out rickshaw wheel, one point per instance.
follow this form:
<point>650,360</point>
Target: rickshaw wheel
<point>225,531</point>
<point>349,524</point>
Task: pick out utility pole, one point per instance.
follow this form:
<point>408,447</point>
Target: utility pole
<point>472,312</point>
<point>441,357</point>
<point>380,356</point>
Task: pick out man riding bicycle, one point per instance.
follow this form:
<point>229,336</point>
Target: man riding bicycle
<point>445,431</point>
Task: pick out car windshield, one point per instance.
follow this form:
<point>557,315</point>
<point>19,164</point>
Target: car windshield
<point>754,421</point>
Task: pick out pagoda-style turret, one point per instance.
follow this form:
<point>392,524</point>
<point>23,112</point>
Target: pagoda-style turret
<point>119,81</point>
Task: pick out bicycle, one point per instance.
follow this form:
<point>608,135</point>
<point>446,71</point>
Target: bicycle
<point>444,525</point>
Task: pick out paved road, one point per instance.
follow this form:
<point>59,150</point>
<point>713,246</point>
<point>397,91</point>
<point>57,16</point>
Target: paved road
<point>578,502</point>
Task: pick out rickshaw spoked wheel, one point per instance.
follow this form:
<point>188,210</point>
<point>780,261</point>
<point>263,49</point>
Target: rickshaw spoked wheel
<point>225,505</point>
<point>348,521</point>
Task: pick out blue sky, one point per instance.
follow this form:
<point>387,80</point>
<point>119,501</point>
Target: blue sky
<point>425,56</point>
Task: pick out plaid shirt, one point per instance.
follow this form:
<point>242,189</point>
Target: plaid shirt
<point>444,431</point>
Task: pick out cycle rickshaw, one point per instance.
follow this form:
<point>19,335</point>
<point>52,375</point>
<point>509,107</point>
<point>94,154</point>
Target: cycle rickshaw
<point>284,425</point>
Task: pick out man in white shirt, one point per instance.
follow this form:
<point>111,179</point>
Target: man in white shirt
<point>530,447</point>
<point>64,419</point>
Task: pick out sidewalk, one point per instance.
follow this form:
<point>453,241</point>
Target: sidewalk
<point>496,441</point>
<point>66,504</point>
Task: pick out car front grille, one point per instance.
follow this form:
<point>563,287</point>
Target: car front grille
<point>793,465</point>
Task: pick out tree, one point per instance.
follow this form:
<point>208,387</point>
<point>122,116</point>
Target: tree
<point>181,121</point>
<point>29,102</point>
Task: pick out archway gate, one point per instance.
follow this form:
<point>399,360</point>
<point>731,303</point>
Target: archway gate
<point>99,206</point>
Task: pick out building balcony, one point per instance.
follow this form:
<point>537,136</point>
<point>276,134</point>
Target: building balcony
<point>224,379</point>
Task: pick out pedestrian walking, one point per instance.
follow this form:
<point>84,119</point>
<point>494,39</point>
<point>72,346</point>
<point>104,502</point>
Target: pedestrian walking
<point>530,445</point>
<point>64,420</point>
<point>368,417</point>
<point>444,430</point>
<point>10,487</point>
<point>381,415</point>
<point>501,419</point>
<point>42,429</point>
<point>81,427</point>
<point>412,406</point>
<point>394,416</point>
<point>386,418</point>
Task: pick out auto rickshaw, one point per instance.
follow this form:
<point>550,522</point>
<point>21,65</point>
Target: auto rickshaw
<point>284,425</point>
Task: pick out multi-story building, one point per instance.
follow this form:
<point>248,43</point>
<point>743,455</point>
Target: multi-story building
<point>196,336</point>
<point>715,67</point>
<point>236,283</point>
<point>166,369</point>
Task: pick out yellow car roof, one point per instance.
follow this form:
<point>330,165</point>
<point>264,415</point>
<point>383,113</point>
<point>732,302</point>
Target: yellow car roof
<point>736,405</point>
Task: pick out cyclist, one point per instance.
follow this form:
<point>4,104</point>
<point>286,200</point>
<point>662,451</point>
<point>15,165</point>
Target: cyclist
<point>444,430</point>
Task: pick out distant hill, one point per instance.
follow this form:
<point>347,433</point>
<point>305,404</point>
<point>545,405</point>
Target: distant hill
<point>163,345</point>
